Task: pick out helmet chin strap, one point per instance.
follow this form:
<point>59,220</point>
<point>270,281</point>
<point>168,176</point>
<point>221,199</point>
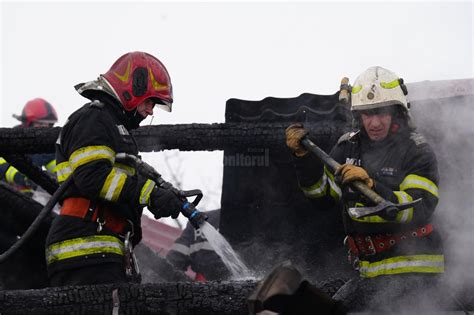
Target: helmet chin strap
<point>134,118</point>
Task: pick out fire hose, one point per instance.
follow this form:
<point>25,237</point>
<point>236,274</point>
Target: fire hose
<point>38,220</point>
<point>188,209</point>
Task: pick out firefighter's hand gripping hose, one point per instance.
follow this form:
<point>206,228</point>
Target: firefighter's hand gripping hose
<point>37,222</point>
<point>188,209</point>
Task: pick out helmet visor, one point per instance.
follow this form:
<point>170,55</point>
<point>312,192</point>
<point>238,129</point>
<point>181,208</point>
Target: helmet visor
<point>163,104</point>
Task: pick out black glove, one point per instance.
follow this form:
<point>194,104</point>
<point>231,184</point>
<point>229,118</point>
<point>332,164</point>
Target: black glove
<point>164,203</point>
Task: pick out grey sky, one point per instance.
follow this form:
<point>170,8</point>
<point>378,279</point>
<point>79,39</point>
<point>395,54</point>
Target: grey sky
<point>215,51</point>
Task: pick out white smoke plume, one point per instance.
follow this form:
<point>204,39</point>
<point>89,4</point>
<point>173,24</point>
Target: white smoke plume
<point>444,114</point>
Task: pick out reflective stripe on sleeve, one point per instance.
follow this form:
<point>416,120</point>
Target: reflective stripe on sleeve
<point>63,171</point>
<point>413,181</point>
<point>130,171</point>
<point>403,264</point>
<point>113,185</point>
<point>2,161</point>
<point>146,191</point>
<point>96,244</point>
<point>10,175</point>
<point>50,166</point>
<point>334,189</point>
<point>406,215</point>
<point>317,190</point>
<point>89,154</point>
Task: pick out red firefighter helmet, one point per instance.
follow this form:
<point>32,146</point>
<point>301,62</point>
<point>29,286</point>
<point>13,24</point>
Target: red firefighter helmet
<point>137,76</point>
<point>37,111</point>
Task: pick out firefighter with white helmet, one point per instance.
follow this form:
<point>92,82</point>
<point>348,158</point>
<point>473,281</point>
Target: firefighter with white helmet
<point>395,161</point>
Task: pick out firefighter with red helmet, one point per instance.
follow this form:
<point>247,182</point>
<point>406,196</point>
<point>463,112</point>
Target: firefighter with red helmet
<point>101,210</point>
<point>394,160</point>
<point>37,113</point>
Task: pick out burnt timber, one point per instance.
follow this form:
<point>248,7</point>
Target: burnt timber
<point>185,137</point>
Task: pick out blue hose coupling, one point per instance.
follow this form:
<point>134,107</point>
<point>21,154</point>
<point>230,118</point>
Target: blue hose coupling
<point>194,215</point>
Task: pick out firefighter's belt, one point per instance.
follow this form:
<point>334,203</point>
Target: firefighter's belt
<point>367,245</point>
<point>82,208</point>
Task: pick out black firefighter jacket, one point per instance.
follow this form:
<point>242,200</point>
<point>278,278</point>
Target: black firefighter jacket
<point>86,150</point>
<point>404,168</point>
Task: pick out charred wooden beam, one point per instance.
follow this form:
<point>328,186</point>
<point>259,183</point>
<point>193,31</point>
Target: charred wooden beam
<point>160,298</point>
<point>185,137</point>
<point>28,140</point>
<point>215,297</point>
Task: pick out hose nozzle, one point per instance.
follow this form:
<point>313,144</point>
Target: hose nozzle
<point>194,216</point>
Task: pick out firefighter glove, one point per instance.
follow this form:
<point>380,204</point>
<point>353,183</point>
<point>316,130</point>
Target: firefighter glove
<point>350,173</point>
<point>164,203</point>
<point>294,134</point>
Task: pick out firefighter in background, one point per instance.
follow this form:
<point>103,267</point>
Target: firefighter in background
<point>193,250</point>
<point>101,211</point>
<point>391,158</point>
<point>37,113</point>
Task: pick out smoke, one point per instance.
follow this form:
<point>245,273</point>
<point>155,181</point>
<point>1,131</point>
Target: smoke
<point>447,123</point>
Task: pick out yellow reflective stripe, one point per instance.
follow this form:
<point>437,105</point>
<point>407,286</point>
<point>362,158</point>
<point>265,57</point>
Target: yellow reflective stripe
<point>390,85</point>
<point>413,181</point>
<point>95,244</point>
<point>356,89</point>
<point>126,168</point>
<point>62,170</point>
<point>334,189</point>
<point>403,264</point>
<point>89,154</point>
<point>317,190</point>
<point>406,215</point>
<point>113,185</point>
<point>146,191</point>
<point>2,161</point>
<point>10,175</point>
<point>50,166</point>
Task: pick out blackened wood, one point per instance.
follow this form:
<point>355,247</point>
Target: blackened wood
<point>185,137</point>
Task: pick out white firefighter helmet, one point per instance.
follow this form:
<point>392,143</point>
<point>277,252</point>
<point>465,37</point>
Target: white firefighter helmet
<point>378,87</point>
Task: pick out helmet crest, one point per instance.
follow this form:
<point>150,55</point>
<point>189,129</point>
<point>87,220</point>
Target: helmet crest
<point>138,76</point>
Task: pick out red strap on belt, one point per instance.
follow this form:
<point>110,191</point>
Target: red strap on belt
<point>367,245</point>
<point>80,207</point>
